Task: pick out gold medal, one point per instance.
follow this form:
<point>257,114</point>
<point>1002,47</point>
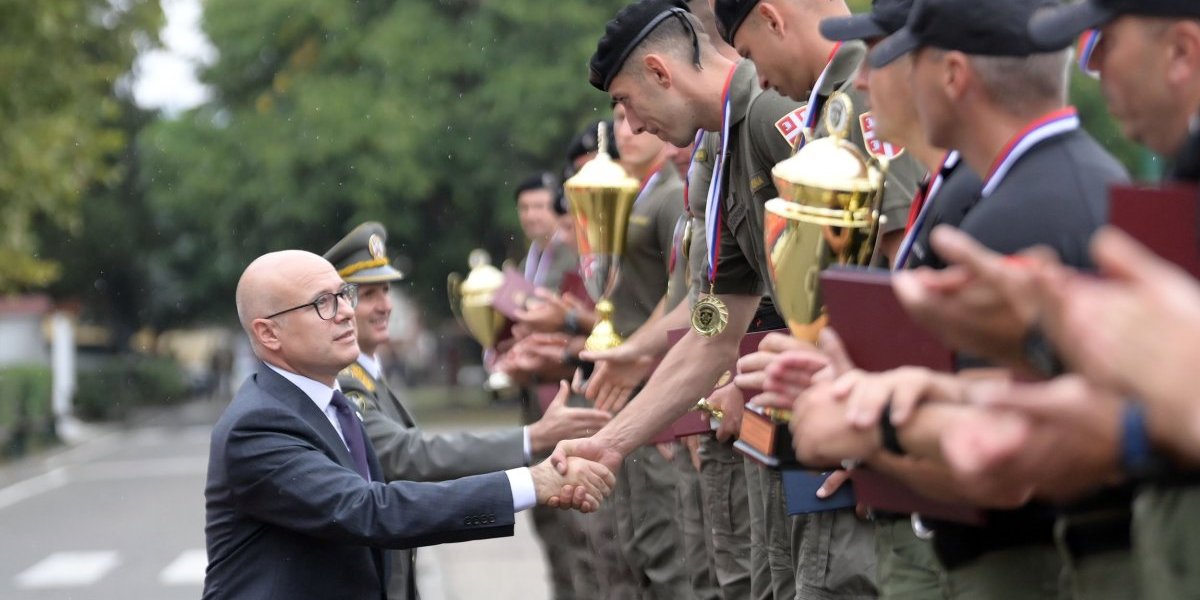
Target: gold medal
<point>710,316</point>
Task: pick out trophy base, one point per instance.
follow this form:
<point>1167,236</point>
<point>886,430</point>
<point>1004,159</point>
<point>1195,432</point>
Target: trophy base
<point>604,336</point>
<point>765,439</point>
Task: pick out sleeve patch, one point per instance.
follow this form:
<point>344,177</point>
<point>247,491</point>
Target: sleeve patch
<point>791,126</point>
<point>875,146</point>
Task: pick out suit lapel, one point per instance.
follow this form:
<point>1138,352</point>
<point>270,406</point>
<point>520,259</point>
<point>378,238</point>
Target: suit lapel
<point>274,384</point>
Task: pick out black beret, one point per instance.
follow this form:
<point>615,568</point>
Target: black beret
<point>542,180</point>
<point>623,34</point>
<point>731,14</point>
<point>585,142</point>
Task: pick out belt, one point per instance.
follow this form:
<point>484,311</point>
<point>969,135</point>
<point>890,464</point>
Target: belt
<point>1088,535</point>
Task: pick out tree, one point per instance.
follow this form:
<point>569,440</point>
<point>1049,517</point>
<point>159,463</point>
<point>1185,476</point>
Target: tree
<point>63,64</point>
<point>420,114</point>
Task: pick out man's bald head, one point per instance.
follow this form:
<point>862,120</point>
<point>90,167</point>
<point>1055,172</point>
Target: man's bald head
<point>269,283</point>
<point>283,286</point>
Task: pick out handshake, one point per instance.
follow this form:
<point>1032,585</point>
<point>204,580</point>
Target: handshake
<point>582,485</point>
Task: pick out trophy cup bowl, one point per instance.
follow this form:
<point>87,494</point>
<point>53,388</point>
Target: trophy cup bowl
<point>471,299</point>
<point>601,195</point>
<point>828,214</point>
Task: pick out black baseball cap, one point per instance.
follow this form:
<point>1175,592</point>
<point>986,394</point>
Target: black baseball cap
<point>730,16</point>
<point>625,31</point>
<point>979,27</point>
<point>886,17</point>
<point>1057,27</point>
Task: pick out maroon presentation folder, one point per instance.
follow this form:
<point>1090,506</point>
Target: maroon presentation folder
<point>880,336</point>
<point>513,294</point>
<point>1164,219</point>
<point>877,332</point>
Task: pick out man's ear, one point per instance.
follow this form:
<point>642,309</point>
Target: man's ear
<point>657,70</point>
<point>956,75</point>
<point>772,19</point>
<point>1183,38</point>
<point>267,334</point>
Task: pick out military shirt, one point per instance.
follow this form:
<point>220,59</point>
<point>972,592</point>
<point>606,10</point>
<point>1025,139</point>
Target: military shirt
<point>562,257</point>
<point>643,277</point>
<point>762,121</point>
<point>959,192</point>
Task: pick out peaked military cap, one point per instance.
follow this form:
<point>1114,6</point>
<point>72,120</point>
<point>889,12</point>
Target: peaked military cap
<point>361,256</point>
<point>886,17</point>
<point>999,28</point>
<point>730,16</point>
<point>1057,27</point>
<point>628,29</point>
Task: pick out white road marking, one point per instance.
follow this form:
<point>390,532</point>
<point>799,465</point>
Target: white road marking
<point>68,569</point>
<point>23,490</point>
<point>186,569</point>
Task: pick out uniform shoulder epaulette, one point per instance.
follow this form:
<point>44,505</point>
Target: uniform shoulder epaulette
<point>358,375</point>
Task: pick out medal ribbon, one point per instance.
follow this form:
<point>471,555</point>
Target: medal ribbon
<point>1056,123</point>
<point>916,223</point>
<point>712,209</point>
<point>536,271</point>
<point>816,101</point>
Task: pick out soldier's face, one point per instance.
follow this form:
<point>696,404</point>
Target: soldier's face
<point>654,107</point>
<point>1134,58</point>
<point>929,96</point>
<point>772,60</point>
<point>891,98</point>
<point>372,314</point>
<point>535,209</point>
<point>637,150</point>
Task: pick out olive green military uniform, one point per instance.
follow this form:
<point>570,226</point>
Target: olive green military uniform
<point>564,544</point>
<point>647,524</point>
<point>697,536</point>
<point>404,451</point>
<point>1166,529</point>
<point>743,268</point>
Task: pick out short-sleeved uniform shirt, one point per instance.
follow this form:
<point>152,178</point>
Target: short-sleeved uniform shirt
<point>1055,195</point>
<point>763,125</point>
<point>958,194</point>
<point>642,281</point>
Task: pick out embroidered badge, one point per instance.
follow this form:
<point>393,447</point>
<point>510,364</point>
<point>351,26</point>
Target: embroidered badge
<point>875,146</point>
<point>791,126</point>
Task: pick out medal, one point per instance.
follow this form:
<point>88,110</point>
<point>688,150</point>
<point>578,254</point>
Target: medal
<point>710,316</point>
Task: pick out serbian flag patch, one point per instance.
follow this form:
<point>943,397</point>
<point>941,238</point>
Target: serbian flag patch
<point>791,126</point>
<point>875,146</point>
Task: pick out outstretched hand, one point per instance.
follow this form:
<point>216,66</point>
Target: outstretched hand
<point>561,422</point>
<point>589,484</point>
<point>592,449</point>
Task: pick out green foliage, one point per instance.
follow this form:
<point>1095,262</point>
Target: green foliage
<point>26,417</point>
<point>62,62</point>
<point>117,385</point>
<point>421,114</point>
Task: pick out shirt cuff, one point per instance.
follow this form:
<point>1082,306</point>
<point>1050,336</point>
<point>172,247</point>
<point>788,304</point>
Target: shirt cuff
<point>528,445</point>
<point>524,494</point>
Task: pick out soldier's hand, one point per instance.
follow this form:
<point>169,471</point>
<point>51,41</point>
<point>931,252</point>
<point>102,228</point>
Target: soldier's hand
<point>545,313</point>
<point>866,394</point>
<point>582,485</point>
<point>561,422</point>
<point>617,373</point>
<point>751,369</point>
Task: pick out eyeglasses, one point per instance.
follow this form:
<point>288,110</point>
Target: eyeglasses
<point>326,304</point>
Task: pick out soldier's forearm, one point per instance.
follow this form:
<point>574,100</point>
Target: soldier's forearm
<point>688,372</point>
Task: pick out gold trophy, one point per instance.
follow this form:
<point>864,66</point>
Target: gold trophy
<point>471,302</point>
<point>602,195</point>
<point>828,213</point>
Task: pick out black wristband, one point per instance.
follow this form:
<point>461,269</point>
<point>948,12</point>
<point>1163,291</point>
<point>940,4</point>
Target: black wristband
<point>571,322</point>
<point>887,431</point>
<point>1040,353</point>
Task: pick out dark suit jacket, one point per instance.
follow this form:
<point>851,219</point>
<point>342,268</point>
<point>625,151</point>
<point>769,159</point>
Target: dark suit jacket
<point>289,518</point>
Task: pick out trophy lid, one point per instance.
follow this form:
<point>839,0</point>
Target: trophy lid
<point>602,172</point>
<point>483,277</point>
<point>830,163</point>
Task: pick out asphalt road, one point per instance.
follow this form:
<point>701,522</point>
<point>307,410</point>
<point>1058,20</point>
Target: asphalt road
<point>121,516</point>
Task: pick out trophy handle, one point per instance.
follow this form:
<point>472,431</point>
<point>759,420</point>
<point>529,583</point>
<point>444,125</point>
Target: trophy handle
<point>877,217</point>
<point>454,293</point>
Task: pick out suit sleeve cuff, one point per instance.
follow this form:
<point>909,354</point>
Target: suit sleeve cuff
<point>527,448</point>
<point>524,495</point>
